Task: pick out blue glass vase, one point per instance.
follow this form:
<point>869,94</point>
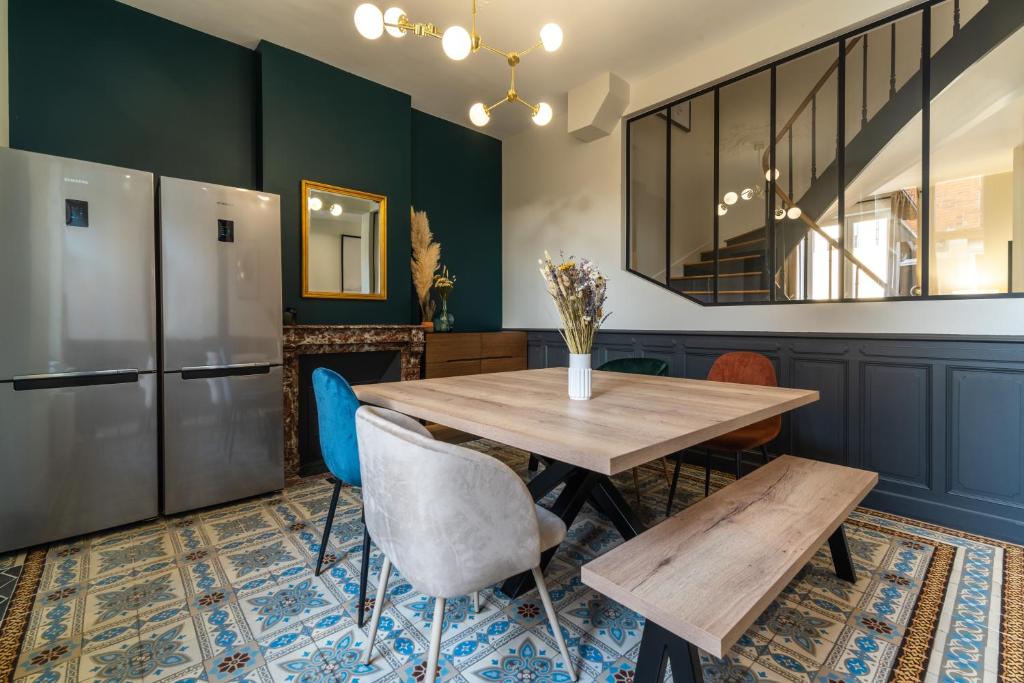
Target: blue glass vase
<point>444,321</point>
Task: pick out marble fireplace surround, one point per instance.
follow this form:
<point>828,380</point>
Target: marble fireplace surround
<point>302,340</point>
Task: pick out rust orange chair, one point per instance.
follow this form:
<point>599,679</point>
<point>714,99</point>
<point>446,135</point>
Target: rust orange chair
<point>738,367</point>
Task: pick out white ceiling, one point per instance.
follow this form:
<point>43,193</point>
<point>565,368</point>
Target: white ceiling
<point>633,38</point>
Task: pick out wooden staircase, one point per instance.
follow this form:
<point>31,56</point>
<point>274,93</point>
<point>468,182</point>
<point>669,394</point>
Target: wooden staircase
<point>742,274</point>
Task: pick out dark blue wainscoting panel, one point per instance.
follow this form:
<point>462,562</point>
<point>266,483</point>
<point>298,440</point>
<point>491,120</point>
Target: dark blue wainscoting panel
<point>941,419</point>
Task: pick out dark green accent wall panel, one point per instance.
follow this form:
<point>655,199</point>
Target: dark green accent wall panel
<point>456,179</point>
<point>104,82</point>
<point>323,124</point>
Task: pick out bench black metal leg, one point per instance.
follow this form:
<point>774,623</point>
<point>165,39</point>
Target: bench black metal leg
<point>675,482</point>
<point>364,571</point>
<point>841,555</point>
<point>578,486</point>
<point>607,499</point>
<point>657,648</point>
<point>739,465</point>
<point>327,527</point>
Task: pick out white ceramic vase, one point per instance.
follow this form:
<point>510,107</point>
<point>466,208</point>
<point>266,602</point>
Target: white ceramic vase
<point>579,376</point>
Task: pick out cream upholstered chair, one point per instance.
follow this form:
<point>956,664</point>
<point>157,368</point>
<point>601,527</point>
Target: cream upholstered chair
<point>451,519</point>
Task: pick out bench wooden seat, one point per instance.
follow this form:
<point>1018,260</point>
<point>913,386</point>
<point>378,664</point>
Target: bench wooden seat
<point>707,573</point>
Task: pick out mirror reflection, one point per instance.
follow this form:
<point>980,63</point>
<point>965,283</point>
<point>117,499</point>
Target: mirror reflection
<point>344,239</point>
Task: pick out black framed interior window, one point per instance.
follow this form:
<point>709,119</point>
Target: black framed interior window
<point>886,163</point>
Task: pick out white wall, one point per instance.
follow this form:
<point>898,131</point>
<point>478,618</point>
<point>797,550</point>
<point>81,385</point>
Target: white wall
<point>4,86</point>
<point>562,194</point>
<point>324,262</point>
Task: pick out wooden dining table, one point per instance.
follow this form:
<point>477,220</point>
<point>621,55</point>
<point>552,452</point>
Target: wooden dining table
<point>629,421</point>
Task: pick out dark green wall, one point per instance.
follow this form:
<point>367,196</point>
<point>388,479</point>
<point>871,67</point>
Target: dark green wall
<point>323,124</point>
<point>101,81</point>
<point>456,179</point>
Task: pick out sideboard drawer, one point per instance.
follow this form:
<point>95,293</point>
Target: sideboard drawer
<point>450,354</point>
<point>453,368</point>
<point>502,364</point>
<point>443,347</point>
<point>503,345</point>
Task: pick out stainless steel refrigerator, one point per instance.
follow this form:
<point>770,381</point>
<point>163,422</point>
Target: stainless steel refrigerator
<point>78,384</point>
<point>220,253</point>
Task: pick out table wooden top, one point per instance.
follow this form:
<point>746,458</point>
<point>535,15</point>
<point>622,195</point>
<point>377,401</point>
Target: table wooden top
<point>631,419</point>
<point>708,572</point>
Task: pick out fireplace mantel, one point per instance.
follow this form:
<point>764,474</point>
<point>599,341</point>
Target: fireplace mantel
<point>302,340</point>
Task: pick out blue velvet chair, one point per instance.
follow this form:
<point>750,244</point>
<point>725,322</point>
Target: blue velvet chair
<point>336,406</point>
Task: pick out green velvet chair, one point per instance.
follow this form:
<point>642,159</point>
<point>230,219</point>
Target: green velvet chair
<point>637,366</point>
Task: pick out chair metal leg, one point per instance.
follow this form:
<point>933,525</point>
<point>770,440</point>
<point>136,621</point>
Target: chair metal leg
<point>435,640</point>
<point>327,527</point>
<point>764,454</point>
<point>664,470</point>
<point>549,609</point>
<point>707,473</point>
<point>739,465</point>
<point>636,485</point>
<point>364,571</point>
<point>674,484</point>
<point>378,607</point>
<point>533,463</point>
<point>476,602</point>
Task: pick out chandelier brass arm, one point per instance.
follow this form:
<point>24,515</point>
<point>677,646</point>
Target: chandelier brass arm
<point>458,44</point>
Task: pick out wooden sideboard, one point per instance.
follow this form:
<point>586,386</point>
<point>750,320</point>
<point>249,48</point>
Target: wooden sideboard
<point>449,354</point>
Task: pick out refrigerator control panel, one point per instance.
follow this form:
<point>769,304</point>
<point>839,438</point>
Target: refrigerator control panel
<point>76,213</point>
<point>225,230</point>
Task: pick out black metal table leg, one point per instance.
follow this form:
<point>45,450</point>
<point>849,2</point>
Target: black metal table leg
<point>841,555</point>
<point>545,482</point>
<point>657,648</point>
<point>607,499</point>
<point>578,486</point>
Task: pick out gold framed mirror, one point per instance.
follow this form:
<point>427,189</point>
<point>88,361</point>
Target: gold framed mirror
<point>344,243</point>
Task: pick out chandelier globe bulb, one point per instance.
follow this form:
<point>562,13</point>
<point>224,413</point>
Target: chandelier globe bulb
<point>369,21</point>
<point>392,15</point>
<point>551,37</point>
<point>456,43</point>
<point>478,115</point>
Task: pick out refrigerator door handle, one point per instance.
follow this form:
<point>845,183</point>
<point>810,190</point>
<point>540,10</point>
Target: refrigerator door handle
<point>212,371</point>
<point>57,380</point>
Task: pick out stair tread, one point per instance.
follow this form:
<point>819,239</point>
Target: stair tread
<point>729,291</point>
<point>751,247</point>
<point>727,258</point>
<point>720,275</point>
<point>746,235</point>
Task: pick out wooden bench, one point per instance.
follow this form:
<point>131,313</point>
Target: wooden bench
<point>702,577</point>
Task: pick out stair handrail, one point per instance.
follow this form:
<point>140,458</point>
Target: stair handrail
<point>787,200</point>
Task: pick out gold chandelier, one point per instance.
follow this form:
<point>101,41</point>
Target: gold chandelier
<point>458,43</point>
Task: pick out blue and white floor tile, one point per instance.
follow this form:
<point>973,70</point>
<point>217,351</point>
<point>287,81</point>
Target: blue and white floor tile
<point>229,595</point>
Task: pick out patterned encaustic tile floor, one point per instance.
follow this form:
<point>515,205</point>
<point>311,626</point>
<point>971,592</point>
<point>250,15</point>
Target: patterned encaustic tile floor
<point>228,594</point>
